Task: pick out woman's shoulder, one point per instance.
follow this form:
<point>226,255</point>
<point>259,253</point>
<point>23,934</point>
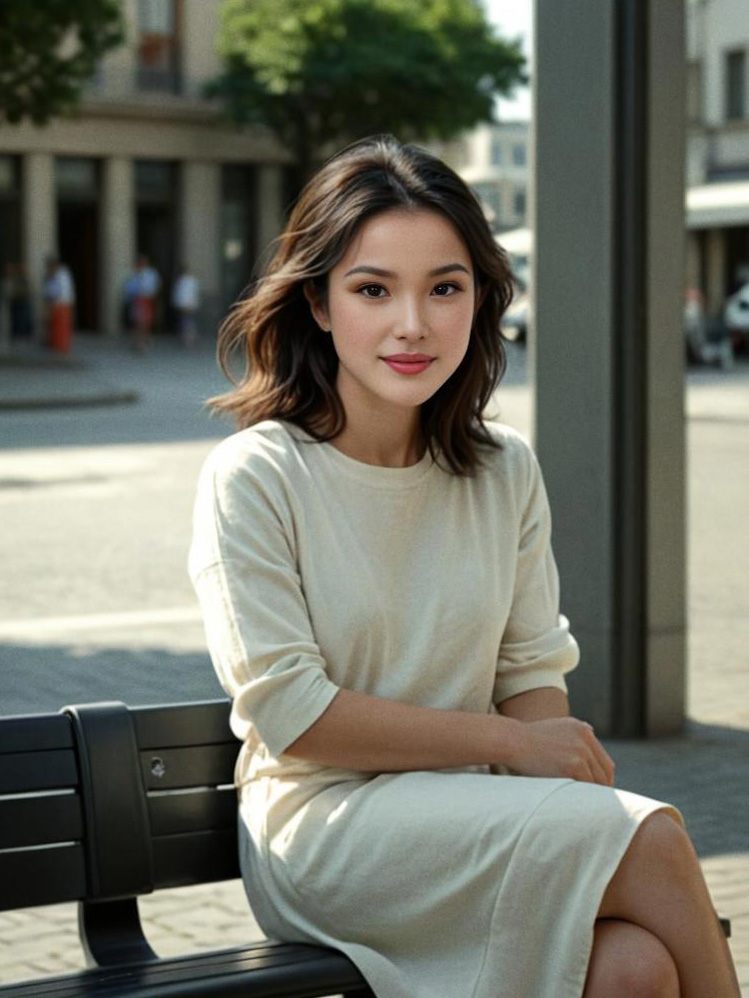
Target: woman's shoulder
<point>513,451</point>
<point>264,452</point>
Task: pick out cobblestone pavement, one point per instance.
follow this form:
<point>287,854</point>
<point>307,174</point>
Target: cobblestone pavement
<point>705,772</point>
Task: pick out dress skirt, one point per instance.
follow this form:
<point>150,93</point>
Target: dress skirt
<point>442,884</point>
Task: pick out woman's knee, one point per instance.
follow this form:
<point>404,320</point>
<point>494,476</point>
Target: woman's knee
<point>629,962</point>
<point>660,853</point>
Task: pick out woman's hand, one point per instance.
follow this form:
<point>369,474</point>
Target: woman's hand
<point>562,747</point>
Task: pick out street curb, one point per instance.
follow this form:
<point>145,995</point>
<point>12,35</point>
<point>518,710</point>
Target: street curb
<point>15,361</point>
<point>69,401</point>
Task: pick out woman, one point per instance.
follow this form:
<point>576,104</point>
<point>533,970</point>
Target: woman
<point>381,602</point>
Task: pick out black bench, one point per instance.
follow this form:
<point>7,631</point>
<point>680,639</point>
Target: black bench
<point>89,813</point>
<point>101,804</point>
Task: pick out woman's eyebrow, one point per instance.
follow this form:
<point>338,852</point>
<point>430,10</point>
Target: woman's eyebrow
<point>380,272</point>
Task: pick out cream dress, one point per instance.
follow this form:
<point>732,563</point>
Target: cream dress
<point>316,572</point>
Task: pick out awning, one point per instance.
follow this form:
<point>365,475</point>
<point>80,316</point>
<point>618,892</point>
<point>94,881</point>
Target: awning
<point>516,241</point>
<point>718,206</point>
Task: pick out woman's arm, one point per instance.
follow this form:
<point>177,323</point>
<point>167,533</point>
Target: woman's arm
<point>536,705</point>
<point>367,733</point>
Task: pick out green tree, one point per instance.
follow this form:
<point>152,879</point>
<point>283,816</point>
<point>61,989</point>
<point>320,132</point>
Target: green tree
<point>321,73</point>
<point>49,50</point>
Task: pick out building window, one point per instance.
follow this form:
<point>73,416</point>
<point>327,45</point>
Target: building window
<point>8,175</point>
<point>518,155</point>
<point>76,179</point>
<point>489,195</point>
<point>694,91</point>
<point>158,45</point>
<point>496,151</point>
<point>736,85</point>
<point>518,203</point>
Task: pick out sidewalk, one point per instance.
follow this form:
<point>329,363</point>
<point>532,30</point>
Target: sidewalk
<point>34,378</point>
<point>705,772</point>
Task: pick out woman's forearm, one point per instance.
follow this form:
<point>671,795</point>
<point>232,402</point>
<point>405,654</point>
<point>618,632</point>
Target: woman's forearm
<point>369,733</point>
<point>536,705</point>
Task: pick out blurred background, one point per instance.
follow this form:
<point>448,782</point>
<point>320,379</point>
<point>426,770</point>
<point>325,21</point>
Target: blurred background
<point>150,151</point>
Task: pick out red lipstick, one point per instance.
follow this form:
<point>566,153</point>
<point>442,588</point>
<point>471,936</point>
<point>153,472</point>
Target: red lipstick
<point>408,363</point>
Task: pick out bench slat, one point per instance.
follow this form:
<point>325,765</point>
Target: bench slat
<point>34,821</point>
<point>186,724</point>
<point>202,766</point>
<point>23,772</point>
<point>31,877</point>
<point>34,733</point>
<point>276,969</point>
<point>197,858</point>
<point>196,811</point>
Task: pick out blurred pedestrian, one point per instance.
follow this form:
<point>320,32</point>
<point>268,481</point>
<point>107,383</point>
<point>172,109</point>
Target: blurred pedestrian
<point>186,301</point>
<point>147,286</point>
<point>59,296</point>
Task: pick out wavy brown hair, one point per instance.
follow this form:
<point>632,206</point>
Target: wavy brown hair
<point>290,368</point>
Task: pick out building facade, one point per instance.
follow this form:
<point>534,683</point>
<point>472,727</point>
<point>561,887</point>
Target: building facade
<point>717,148</point>
<point>146,165</point>
<point>494,159</point>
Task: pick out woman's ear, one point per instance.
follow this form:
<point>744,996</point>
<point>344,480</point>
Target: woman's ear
<point>317,306</point>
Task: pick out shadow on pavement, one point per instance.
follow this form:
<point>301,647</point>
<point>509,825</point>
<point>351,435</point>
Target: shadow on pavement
<point>43,678</point>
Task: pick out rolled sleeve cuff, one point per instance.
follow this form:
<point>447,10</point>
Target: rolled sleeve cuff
<point>534,664</point>
<point>279,718</point>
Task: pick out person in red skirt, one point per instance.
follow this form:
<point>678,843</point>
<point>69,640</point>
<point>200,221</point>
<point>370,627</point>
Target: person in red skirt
<point>59,294</point>
<point>146,286</point>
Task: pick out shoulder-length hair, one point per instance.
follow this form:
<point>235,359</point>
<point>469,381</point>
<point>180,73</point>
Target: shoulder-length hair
<point>290,367</point>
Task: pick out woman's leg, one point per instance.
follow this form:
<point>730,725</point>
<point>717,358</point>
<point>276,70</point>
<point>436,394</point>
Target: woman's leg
<point>659,886</point>
<point>629,962</point>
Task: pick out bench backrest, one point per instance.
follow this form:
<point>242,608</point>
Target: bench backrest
<point>102,801</point>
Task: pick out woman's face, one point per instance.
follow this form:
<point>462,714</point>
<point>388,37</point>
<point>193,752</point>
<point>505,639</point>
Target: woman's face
<point>400,307</point>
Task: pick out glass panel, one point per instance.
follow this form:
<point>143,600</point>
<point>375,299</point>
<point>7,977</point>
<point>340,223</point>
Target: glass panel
<point>154,178</point>
<point>158,46</point>
<point>75,176</point>
<point>735,85</point>
<point>518,155</point>
<point>156,17</point>
<point>8,174</point>
<point>496,152</point>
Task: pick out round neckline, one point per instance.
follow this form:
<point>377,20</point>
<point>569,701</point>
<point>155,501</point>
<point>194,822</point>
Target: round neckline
<point>371,474</point>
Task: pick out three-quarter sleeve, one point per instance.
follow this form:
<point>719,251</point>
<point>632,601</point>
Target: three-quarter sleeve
<point>243,566</point>
<point>537,648</point>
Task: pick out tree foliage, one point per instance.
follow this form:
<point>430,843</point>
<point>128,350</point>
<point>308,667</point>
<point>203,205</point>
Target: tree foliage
<point>320,73</point>
<point>49,50</point>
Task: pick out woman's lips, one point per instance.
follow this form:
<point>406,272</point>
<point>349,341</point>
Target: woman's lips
<point>405,364</point>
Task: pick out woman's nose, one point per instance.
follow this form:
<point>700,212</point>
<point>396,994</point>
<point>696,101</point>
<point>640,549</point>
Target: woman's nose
<point>411,321</point>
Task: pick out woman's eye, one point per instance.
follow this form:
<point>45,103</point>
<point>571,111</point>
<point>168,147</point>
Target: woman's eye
<point>374,288</point>
<point>447,289</point>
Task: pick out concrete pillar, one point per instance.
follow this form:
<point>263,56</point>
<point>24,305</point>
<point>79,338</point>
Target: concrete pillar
<point>200,212</point>
<point>39,226</point>
<point>117,239</point>
<point>270,210</point>
<point>715,251</point>
<point>607,205</point>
